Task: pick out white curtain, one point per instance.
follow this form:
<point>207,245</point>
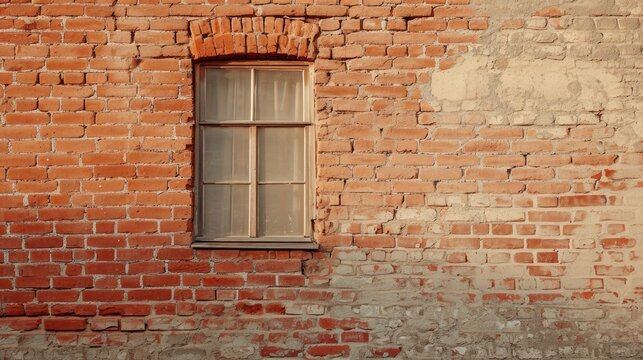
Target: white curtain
<point>278,95</point>
<point>227,95</point>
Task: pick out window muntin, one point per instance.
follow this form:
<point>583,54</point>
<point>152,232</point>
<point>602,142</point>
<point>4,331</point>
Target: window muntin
<point>254,137</point>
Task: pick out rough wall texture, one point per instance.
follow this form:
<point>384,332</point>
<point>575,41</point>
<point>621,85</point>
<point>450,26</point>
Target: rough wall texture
<point>478,180</point>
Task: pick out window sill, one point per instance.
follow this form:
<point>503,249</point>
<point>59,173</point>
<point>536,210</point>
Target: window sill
<point>276,244</point>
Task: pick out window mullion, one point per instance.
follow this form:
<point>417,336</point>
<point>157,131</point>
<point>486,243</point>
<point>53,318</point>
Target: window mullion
<point>253,161</point>
<point>253,181</point>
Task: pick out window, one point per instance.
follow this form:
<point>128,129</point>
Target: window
<point>254,160</point>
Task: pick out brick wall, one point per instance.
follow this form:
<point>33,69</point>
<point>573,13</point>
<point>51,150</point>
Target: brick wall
<point>478,182</point>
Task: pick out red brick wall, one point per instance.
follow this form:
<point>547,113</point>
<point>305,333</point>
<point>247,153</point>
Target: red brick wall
<point>423,202</point>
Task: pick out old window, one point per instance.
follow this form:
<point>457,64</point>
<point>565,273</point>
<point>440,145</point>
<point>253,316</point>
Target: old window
<point>254,162</point>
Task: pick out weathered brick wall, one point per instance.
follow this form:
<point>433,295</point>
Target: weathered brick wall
<point>478,183</point>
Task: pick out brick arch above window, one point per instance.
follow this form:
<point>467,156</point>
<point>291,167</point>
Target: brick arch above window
<point>256,37</point>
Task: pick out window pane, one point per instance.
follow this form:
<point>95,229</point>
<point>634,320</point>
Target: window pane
<point>227,95</point>
<point>280,154</point>
<point>226,156</point>
<point>280,210</point>
<point>279,95</point>
<point>226,210</point>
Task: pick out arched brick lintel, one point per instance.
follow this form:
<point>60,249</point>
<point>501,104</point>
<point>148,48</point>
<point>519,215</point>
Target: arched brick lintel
<point>252,37</point>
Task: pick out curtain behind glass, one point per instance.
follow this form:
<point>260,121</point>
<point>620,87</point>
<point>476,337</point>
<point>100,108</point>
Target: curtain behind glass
<point>227,95</point>
<point>278,95</point>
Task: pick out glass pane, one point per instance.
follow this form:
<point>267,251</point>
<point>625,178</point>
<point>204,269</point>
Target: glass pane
<point>279,95</point>
<point>226,156</point>
<point>225,210</point>
<point>280,154</point>
<point>227,95</point>
<point>280,210</point>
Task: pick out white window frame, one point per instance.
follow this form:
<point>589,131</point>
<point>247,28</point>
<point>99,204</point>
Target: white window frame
<point>269,242</point>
